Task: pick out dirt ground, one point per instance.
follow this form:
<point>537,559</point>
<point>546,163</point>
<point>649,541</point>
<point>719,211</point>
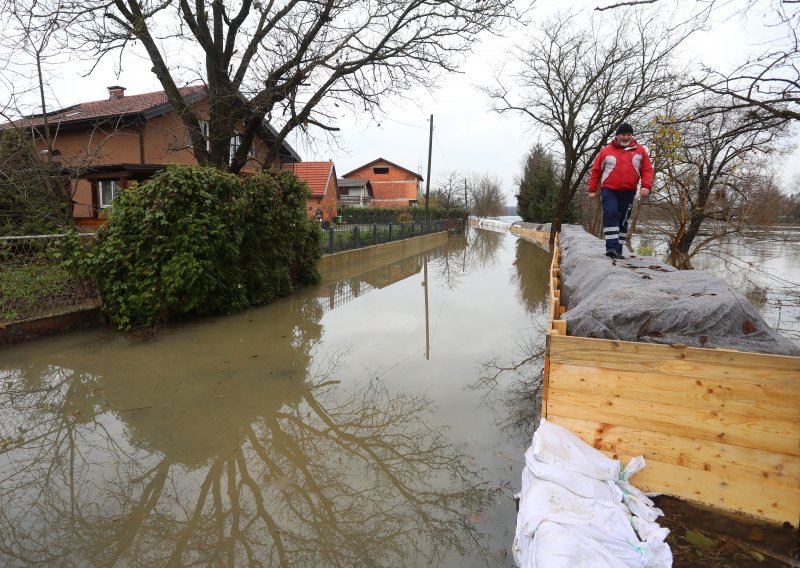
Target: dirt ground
<point>701,537</point>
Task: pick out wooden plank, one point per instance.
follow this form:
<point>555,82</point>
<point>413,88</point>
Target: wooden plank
<point>776,504</point>
<point>733,395</point>
<point>749,431</point>
<point>723,459</point>
<point>560,326</point>
<point>682,361</point>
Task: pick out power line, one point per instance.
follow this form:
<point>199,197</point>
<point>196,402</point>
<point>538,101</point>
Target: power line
<point>439,146</point>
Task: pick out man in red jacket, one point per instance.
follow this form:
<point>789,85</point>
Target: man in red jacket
<point>616,172</point>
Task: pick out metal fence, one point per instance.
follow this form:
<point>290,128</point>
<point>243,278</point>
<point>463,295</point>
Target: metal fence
<point>338,238</point>
<point>34,283</point>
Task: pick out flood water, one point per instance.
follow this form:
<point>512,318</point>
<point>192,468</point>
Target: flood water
<point>764,266</point>
<point>358,423</point>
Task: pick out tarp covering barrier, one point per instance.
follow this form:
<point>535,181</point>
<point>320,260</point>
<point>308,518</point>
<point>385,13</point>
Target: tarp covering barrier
<point>641,299</point>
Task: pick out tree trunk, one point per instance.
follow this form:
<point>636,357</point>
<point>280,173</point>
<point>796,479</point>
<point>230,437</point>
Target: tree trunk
<point>637,207</point>
<point>597,217</point>
<point>683,245</point>
<point>564,198</point>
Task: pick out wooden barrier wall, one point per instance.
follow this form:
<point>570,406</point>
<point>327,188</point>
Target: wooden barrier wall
<point>718,427</point>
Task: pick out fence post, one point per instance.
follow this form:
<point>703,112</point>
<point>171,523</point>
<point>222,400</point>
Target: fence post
<point>331,243</point>
<point>390,231</point>
<point>374,233</point>
<point>356,239</point>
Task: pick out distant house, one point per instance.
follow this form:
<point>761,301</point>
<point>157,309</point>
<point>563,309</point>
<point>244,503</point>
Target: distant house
<point>120,141</point>
<point>321,180</point>
<point>355,192</point>
<point>392,185</point>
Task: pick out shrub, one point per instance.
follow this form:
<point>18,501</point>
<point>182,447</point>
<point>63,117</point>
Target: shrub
<point>196,240</point>
<point>645,249</point>
<point>385,215</point>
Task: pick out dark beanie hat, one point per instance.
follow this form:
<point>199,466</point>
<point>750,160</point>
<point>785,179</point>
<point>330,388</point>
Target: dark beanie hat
<point>624,128</point>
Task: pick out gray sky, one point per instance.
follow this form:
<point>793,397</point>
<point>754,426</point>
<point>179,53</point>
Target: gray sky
<point>467,135</point>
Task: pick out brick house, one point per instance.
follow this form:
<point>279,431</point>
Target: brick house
<point>120,141</point>
<point>321,180</point>
<point>392,185</point>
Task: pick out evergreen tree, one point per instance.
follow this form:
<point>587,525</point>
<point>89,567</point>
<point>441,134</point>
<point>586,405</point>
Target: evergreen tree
<point>539,187</point>
<point>34,197</point>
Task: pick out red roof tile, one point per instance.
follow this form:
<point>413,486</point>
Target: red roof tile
<point>315,174</point>
<point>107,108</point>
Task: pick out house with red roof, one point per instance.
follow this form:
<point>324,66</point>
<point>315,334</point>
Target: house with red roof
<point>392,185</point>
<point>321,180</point>
<point>115,143</point>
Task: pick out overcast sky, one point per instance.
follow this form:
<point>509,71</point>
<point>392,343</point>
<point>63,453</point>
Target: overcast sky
<point>467,135</point>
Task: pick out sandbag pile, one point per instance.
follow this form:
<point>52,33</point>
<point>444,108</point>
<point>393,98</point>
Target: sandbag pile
<point>641,299</point>
<point>577,508</point>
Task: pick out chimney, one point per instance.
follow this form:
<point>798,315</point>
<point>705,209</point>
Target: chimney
<point>116,92</point>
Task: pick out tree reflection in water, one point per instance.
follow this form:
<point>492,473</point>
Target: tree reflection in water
<point>284,471</point>
<point>477,249</point>
<point>512,381</point>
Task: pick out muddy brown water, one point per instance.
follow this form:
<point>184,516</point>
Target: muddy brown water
<point>321,430</point>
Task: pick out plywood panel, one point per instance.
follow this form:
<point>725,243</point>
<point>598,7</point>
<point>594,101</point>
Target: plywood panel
<point>758,466</point>
<point>745,397</point>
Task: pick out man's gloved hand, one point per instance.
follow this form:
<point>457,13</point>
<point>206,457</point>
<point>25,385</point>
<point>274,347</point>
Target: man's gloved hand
<point>644,192</point>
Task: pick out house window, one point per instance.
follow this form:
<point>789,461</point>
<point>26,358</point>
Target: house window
<point>204,132</point>
<point>380,170</point>
<point>236,141</point>
<point>108,190</point>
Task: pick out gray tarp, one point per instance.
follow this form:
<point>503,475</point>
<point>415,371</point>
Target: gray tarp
<point>641,299</point>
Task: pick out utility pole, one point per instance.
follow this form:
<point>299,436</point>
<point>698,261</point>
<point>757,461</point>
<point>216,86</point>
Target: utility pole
<point>428,179</point>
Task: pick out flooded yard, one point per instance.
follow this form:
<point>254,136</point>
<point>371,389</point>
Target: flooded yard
<point>359,423</point>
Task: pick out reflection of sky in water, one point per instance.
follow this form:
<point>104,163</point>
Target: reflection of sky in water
<point>765,268</point>
<point>313,431</point>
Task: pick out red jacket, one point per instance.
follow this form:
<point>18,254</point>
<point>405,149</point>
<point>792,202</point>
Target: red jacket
<point>620,167</point>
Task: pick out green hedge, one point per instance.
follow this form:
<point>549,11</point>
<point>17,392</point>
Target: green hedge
<point>196,240</point>
<point>387,215</point>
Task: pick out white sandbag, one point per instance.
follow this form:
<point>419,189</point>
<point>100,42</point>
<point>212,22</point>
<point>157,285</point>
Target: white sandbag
<point>598,520</point>
<point>557,547</point>
<point>638,503</point>
<point>577,483</point>
<point>578,509</point>
<point>558,446</point>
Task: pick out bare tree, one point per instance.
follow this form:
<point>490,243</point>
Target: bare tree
<point>486,195</point>
<point>450,191</point>
<point>711,174</point>
<point>768,81</point>
<point>292,63</point>
<point>577,83</point>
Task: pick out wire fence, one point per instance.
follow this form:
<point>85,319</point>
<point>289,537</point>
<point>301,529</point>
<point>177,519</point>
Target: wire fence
<point>35,284</point>
<point>338,238</point>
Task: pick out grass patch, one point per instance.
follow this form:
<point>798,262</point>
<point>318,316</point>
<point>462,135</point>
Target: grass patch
<point>30,290</point>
